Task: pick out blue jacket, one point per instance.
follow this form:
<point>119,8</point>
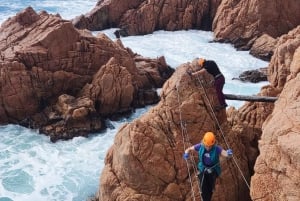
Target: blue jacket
<point>214,156</point>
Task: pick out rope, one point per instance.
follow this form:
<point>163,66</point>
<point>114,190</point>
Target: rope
<point>185,138</point>
<point>221,131</point>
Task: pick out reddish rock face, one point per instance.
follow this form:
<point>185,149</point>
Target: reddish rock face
<point>277,168</point>
<point>43,57</point>
<point>145,161</point>
<point>241,22</point>
<point>273,127</point>
<point>136,17</point>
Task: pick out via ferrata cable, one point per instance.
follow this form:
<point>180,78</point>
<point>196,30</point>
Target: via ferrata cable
<point>221,131</point>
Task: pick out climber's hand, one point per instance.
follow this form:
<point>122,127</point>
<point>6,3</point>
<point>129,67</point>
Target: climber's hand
<point>229,152</point>
<point>186,156</point>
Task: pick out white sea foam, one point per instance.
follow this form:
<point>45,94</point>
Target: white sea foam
<point>33,168</point>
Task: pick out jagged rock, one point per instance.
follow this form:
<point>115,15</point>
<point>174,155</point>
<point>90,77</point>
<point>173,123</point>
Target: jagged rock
<point>242,22</point>
<point>145,161</point>
<point>43,57</point>
<point>277,167</point>
<point>135,17</point>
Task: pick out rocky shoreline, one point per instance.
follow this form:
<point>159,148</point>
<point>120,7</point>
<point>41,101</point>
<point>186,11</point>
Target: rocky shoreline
<point>57,77</point>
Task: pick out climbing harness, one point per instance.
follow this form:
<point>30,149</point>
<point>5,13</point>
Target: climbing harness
<point>221,131</point>
<point>207,170</point>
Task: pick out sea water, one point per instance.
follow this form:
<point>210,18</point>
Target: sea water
<point>67,9</point>
<point>34,169</point>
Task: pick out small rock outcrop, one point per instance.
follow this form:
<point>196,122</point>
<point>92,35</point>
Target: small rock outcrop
<point>145,161</point>
<point>44,57</point>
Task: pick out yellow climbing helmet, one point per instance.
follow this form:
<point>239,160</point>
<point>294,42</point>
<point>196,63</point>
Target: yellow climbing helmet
<point>201,62</point>
<point>209,139</point>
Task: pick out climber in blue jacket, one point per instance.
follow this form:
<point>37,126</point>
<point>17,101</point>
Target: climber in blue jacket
<point>209,163</point>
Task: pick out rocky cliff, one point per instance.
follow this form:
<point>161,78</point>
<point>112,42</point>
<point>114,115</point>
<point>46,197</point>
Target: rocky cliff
<point>65,81</point>
<point>277,168</point>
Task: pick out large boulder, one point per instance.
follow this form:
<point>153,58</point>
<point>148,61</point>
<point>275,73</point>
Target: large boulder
<point>145,161</point>
<point>43,57</point>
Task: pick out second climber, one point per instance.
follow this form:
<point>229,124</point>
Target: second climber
<point>209,163</point>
